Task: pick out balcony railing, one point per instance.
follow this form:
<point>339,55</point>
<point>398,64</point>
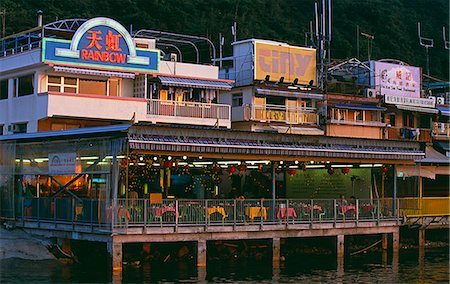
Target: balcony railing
<point>358,122</point>
<point>411,134</point>
<point>122,213</point>
<point>275,113</point>
<point>426,206</point>
<point>441,129</point>
<point>188,109</point>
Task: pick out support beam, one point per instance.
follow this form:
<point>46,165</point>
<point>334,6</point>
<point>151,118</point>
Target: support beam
<point>384,241</point>
<point>276,247</point>
<point>340,247</point>
<point>201,253</point>
<point>396,241</point>
<point>421,238</point>
<point>115,251</point>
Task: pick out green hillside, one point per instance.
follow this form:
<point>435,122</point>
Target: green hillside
<point>393,22</point>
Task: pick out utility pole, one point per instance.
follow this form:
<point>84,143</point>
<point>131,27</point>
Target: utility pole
<point>369,45</point>
<point>357,41</point>
<point>427,43</point>
<point>221,42</point>
<point>446,42</point>
<point>3,15</point>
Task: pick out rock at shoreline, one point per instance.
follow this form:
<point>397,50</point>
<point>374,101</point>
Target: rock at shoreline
<point>18,244</point>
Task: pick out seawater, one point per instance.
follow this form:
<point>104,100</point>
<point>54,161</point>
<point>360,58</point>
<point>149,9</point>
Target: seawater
<point>433,267</point>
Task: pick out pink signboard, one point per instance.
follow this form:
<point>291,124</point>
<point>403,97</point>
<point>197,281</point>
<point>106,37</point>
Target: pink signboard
<point>397,80</point>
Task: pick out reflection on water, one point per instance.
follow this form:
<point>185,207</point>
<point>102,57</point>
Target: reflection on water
<point>434,267</point>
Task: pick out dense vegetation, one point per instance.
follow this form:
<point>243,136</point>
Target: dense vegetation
<point>393,22</point>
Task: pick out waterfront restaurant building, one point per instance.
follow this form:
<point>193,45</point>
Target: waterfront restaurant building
<point>106,131</point>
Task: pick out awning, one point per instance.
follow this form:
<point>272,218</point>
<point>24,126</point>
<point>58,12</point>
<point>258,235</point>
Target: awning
<point>360,107</point>
<point>84,71</point>
<point>444,110</point>
<point>195,83</point>
<point>422,171</point>
<point>293,94</point>
<point>433,156</point>
<point>444,145</point>
<point>418,109</point>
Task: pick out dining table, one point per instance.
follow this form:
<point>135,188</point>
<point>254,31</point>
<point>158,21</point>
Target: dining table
<point>253,212</point>
<point>283,213</point>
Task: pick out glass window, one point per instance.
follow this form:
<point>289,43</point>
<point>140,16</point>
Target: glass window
<point>237,100</point>
<point>54,80</point>
<point>3,89</point>
<point>70,81</point>
<point>54,88</point>
<point>25,85</point>
<point>392,119</point>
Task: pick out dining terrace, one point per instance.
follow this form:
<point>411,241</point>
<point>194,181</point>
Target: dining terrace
<point>95,216</point>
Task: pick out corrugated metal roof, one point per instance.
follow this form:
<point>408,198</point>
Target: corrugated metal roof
<point>71,132</point>
<point>433,156</point>
<point>252,147</point>
<point>194,83</point>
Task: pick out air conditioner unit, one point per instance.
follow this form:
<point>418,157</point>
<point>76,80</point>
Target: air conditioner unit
<point>371,93</point>
<point>173,57</point>
<point>440,100</point>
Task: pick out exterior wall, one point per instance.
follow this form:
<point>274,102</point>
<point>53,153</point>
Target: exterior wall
<point>188,69</point>
<point>48,124</point>
<point>354,131</point>
<point>126,89</point>
<point>242,71</point>
<point>14,62</point>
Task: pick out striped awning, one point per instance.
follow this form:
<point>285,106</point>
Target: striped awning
<point>85,71</point>
<point>248,147</point>
<point>417,109</point>
<point>195,83</point>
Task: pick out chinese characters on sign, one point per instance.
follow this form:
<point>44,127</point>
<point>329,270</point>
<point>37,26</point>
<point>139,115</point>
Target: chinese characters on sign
<point>96,44</point>
<point>398,80</point>
<point>399,100</point>
<point>101,43</point>
<point>62,163</point>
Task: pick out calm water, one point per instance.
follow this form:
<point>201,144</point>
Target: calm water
<point>363,268</point>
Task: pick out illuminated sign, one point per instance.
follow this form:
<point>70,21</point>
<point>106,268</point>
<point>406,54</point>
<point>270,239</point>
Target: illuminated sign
<point>396,80</point>
<point>285,61</point>
<point>62,163</point>
<point>101,42</point>
<point>401,100</point>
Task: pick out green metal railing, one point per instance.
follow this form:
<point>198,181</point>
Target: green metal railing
<point>128,213</point>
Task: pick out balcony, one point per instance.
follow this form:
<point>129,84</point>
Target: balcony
<point>50,104</point>
<point>441,130</point>
<point>276,113</point>
<point>411,134</point>
<point>194,113</point>
<point>358,122</point>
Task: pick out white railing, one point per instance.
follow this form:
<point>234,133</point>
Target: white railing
<point>188,109</point>
<point>290,115</point>
<point>441,128</point>
<point>358,122</point>
<point>20,49</point>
